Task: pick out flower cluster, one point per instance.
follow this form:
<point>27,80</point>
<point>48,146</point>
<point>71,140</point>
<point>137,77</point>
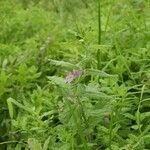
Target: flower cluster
<point>72,75</point>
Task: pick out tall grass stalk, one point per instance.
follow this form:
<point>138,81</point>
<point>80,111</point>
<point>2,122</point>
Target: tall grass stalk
<point>99,34</point>
<point>108,16</point>
<point>138,110</point>
<point>99,22</point>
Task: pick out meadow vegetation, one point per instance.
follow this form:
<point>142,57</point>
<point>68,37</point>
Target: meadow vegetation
<point>74,75</point>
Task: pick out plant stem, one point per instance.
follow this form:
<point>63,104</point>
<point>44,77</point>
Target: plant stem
<point>99,34</point>
<point>138,110</point>
<point>79,127</point>
<point>110,130</point>
<point>99,22</point>
<point>109,14</point>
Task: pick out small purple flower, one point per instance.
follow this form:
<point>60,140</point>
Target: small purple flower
<point>70,77</point>
<point>78,73</point>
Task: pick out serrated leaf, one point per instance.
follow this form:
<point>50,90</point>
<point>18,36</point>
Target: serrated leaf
<point>96,72</point>
<point>57,80</point>
<point>11,100</point>
<point>99,112</point>
<point>63,64</point>
<point>97,95</point>
<point>94,93</point>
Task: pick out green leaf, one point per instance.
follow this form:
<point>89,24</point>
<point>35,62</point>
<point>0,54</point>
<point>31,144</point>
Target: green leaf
<point>96,72</point>
<point>10,108</point>
<point>127,115</point>
<point>49,113</point>
<point>97,95</point>
<point>63,64</point>
<point>57,80</point>
<point>136,127</point>
<point>46,143</point>
<point>144,115</point>
<point>18,147</point>
<point>92,92</point>
<point>34,144</point>
<point>11,100</point>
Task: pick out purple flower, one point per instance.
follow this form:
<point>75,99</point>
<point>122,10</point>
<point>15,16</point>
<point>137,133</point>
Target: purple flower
<point>70,77</point>
<point>78,73</point>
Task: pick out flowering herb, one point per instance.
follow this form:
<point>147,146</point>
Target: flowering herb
<point>69,78</point>
<point>72,75</point>
<point>78,73</point>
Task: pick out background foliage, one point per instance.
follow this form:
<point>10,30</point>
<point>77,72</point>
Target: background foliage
<point>107,107</point>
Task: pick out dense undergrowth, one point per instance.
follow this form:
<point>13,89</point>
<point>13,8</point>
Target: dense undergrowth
<point>70,80</point>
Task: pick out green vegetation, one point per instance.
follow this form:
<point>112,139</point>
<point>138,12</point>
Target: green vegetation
<point>74,75</point>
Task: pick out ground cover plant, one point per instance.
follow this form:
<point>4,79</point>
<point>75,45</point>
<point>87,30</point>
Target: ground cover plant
<point>74,75</point>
